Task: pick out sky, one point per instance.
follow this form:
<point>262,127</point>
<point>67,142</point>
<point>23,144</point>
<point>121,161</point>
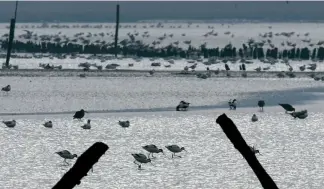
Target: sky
<point>92,11</point>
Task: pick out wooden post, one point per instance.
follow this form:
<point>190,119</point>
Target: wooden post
<point>234,135</point>
<point>82,166</point>
<point>116,31</point>
<point>11,35</point>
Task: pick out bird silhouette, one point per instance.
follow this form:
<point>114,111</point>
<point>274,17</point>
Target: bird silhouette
<point>79,114</point>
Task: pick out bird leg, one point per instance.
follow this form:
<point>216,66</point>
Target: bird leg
<point>139,165</point>
<point>152,156</point>
<point>174,155</point>
<point>66,163</point>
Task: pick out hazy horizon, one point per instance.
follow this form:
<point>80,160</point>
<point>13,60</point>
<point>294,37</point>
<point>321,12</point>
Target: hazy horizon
<point>38,11</point>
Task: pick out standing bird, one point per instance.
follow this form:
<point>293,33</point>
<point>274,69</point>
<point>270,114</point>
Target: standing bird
<point>87,125</point>
<point>227,67</point>
<point>79,114</point>
<point>261,104</point>
<point>232,104</point>
<point>175,149</point>
<point>141,158</point>
<point>152,149</point>
<point>254,118</point>
<point>6,88</point>
<point>288,107</point>
<point>10,123</point>
<point>48,124</point>
<point>66,155</point>
<point>124,124</point>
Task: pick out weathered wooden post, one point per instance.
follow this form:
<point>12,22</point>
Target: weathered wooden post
<point>116,31</point>
<point>234,135</point>
<point>11,36</point>
<point>82,166</point>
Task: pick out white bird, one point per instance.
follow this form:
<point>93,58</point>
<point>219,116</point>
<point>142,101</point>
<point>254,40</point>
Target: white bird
<point>87,125</point>
<point>141,158</point>
<point>175,149</point>
<point>152,149</point>
<point>48,124</point>
<point>124,124</point>
<point>254,118</point>
<point>66,155</point>
<point>10,123</point>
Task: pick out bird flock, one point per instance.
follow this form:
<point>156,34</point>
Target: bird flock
<point>139,157</point>
<point>151,148</point>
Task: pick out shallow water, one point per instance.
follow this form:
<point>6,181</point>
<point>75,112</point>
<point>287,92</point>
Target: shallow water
<point>46,94</point>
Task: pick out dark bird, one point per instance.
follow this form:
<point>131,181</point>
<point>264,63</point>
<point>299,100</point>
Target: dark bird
<point>141,158</point>
<point>301,115</point>
<point>287,107</point>
<point>48,124</point>
<point>183,106</point>
<point>175,149</point>
<point>152,72</point>
<point>66,155</point>
<point>6,88</point>
<point>227,67</point>
<point>124,124</point>
<point>261,104</point>
<point>10,123</point>
<point>152,149</point>
<point>79,114</point>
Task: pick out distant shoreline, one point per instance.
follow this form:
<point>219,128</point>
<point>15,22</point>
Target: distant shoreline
<point>225,21</point>
<point>144,73</point>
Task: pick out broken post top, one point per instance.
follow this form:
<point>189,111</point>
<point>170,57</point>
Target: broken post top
<point>231,132</point>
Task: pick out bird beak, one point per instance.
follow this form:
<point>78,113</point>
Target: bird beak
<point>86,111</point>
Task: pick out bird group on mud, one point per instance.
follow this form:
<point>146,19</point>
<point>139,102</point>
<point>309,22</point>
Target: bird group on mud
<point>140,158</point>
<point>153,149</point>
